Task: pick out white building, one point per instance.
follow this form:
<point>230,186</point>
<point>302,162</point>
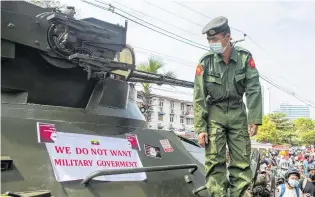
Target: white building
<point>169,113</point>
<point>265,99</point>
<point>265,94</point>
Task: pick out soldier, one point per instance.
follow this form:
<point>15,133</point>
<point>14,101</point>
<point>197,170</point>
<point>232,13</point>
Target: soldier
<point>223,75</point>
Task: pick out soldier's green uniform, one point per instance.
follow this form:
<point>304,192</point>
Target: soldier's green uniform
<point>220,111</point>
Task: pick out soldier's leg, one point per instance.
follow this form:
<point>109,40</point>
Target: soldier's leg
<point>240,148</point>
<point>215,165</point>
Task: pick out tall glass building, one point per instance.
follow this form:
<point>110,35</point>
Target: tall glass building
<point>295,111</point>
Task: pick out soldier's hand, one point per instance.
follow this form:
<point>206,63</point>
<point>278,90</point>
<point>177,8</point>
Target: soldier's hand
<point>203,139</point>
<point>252,129</point>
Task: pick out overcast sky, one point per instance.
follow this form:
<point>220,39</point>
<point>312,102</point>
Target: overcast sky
<point>283,30</point>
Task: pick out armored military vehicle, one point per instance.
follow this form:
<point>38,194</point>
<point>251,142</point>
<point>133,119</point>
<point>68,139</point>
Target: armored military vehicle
<point>70,125</point>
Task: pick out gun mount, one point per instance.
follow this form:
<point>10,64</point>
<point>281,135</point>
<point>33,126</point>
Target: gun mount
<point>94,45</point>
<point>76,55</point>
<point>64,41</point>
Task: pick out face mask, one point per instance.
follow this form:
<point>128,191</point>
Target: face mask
<point>293,183</point>
<point>312,176</point>
<point>217,47</point>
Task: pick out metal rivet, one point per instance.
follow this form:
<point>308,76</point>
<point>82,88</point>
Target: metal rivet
<point>187,179</point>
<point>11,25</point>
<point>36,42</point>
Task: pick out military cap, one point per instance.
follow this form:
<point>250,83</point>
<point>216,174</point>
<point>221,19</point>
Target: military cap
<point>215,26</point>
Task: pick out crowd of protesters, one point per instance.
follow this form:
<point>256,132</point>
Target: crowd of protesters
<point>295,172</point>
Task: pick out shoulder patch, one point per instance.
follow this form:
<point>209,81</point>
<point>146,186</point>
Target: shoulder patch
<point>251,63</point>
<point>199,70</point>
<point>205,55</point>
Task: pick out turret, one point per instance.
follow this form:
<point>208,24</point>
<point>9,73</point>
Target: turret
<point>61,61</point>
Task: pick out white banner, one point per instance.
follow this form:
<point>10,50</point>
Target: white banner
<point>74,156</point>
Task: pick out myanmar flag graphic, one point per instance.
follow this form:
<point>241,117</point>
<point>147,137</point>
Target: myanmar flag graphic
<point>95,142</point>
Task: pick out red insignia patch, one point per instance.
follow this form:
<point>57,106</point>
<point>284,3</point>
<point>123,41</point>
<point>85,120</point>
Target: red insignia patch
<point>251,63</point>
<point>199,70</point>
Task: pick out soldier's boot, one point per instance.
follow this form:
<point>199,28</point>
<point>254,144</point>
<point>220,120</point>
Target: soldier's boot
<point>240,174</point>
<point>215,165</point>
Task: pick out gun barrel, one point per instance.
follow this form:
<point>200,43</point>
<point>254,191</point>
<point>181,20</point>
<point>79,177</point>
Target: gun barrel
<point>146,77</point>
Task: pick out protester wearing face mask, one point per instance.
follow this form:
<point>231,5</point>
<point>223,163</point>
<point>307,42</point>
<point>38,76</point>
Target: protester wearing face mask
<point>291,186</point>
<point>223,76</point>
<point>308,184</point>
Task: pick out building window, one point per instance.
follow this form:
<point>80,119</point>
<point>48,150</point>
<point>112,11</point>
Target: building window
<point>190,121</point>
<point>171,118</point>
<point>161,104</point>
<point>182,106</point>
<point>172,104</point>
<point>181,120</point>
<point>189,107</point>
<point>160,117</point>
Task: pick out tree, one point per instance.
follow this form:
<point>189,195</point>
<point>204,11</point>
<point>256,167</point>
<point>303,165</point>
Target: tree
<point>154,65</point>
<point>307,137</point>
<point>304,124</point>
<point>285,129</point>
<point>46,3</point>
<point>277,129</point>
<point>52,4</point>
<point>268,131</point>
<point>288,137</point>
<point>305,129</point>
<point>281,121</point>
